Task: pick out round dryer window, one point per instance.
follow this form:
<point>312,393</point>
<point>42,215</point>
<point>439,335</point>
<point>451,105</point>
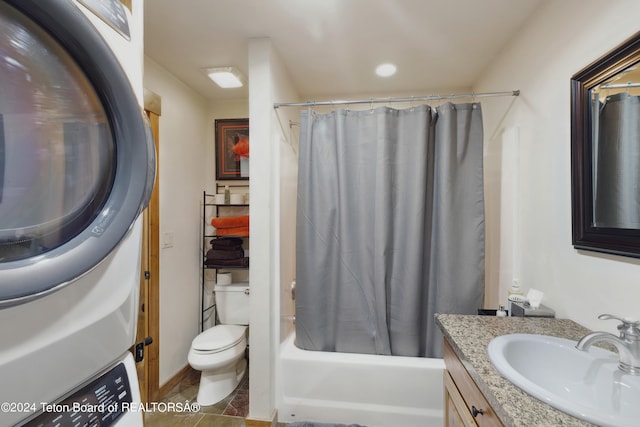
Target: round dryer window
<point>76,156</point>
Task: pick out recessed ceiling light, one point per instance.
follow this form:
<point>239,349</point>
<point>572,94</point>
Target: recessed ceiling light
<point>226,77</point>
<point>385,70</point>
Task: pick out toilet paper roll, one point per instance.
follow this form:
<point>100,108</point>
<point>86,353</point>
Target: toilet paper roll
<point>219,199</point>
<point>223,279</point>
<point>237,199</point>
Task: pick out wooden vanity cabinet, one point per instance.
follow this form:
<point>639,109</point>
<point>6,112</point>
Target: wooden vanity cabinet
<point>464,403</point>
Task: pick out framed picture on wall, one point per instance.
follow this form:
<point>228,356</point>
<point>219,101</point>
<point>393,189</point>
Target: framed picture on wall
<point>232,149</point>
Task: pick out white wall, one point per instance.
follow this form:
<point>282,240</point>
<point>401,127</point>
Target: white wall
<point>262,274</point>
<point>561,39</point>
<point>184,137</point>
<point>271,159</point>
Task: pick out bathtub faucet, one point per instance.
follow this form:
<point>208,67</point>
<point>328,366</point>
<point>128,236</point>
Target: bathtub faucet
<point>628,343</point>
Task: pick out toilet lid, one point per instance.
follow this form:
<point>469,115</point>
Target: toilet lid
<point>219,338</point>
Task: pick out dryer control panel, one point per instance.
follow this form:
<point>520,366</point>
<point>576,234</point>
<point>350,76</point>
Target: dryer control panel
<point>102,403</point>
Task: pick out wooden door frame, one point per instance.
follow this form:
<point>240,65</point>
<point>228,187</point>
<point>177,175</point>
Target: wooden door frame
<point>142,329</point>
<point>152,105</point>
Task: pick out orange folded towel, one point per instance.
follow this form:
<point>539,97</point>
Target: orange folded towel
<point>233,231</point>
<point>230,221</point>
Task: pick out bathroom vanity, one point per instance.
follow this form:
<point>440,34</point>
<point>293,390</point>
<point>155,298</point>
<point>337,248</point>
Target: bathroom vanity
<point>475,393</point>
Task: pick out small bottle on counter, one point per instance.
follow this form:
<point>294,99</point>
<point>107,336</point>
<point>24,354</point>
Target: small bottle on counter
<point>227,195</point>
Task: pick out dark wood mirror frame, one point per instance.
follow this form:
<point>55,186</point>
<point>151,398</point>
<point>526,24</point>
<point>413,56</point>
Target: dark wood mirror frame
<point>617,241</point>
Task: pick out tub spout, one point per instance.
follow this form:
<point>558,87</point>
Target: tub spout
<point>627,344</point>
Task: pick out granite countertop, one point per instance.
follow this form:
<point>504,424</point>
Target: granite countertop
<point>470,335</point>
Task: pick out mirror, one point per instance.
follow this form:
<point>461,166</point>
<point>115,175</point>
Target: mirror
<point>605,152</point>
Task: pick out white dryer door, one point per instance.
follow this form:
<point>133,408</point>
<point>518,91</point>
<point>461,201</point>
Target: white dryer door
<point>77,161</point>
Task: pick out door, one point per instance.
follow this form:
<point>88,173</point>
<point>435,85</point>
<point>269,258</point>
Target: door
<point>149,306</point>
<point>142,333</point>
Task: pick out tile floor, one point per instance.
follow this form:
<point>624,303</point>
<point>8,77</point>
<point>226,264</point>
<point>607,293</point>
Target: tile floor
<point>230,412</point>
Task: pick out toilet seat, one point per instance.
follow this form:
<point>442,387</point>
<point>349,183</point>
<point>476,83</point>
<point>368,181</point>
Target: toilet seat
<point>218,338</point>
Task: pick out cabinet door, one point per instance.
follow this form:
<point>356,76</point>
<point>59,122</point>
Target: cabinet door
<point>455,409</point>
<point>470,395</point>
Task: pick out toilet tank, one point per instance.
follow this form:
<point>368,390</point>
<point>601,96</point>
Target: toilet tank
<point>232,303</point>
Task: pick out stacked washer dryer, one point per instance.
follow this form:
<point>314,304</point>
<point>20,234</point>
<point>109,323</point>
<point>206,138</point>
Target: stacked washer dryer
<point>77,166</point>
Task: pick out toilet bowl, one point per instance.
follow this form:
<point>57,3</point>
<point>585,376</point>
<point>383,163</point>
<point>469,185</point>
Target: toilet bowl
<point>219,353</point>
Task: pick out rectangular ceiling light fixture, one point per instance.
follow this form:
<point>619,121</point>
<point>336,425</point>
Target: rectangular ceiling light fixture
<point>226,77</point>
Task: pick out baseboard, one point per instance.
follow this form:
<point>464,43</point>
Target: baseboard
<point>174,381</point>
<point>250,422</point>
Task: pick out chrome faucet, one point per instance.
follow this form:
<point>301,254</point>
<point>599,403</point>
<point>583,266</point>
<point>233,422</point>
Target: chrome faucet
<point>628,343</point>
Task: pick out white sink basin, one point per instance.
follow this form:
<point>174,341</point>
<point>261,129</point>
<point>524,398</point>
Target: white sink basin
<point>587,385</point>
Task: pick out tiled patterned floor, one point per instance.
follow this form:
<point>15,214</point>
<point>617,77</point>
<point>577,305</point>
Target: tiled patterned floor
<point>230,412</point>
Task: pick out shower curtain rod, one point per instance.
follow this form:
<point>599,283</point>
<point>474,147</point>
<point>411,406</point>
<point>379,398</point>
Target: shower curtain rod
<point>620,85</point>
<point>385,100</point>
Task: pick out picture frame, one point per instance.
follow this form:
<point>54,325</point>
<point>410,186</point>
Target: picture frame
<point>232,149</point>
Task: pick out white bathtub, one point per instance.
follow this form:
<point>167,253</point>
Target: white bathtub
<point>370,390</point>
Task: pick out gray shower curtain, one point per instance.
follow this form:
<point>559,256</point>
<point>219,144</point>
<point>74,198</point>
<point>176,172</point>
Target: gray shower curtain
<point>617,163</point>
<point>390,227</point>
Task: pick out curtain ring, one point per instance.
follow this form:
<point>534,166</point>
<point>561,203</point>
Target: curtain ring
<point>437,101</point>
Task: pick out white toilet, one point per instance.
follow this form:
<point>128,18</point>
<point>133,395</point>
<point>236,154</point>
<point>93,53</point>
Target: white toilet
<point>219,352</point>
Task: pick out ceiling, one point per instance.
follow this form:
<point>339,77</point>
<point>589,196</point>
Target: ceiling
<point>331,47</point>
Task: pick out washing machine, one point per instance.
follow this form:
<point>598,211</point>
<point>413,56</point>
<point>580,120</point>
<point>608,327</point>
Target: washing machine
<point>77,167</point>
